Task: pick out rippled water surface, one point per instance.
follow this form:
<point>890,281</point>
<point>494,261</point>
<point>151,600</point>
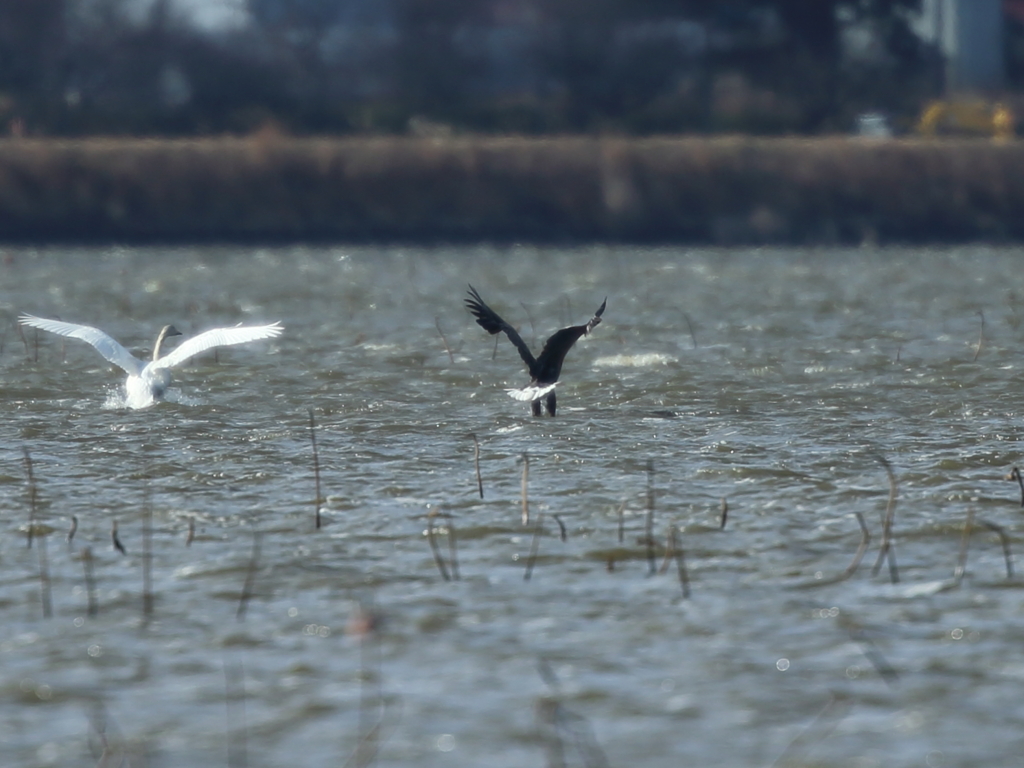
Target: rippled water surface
<point>776,380</point>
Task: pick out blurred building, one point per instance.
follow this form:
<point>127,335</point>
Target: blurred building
<point>970,34</point>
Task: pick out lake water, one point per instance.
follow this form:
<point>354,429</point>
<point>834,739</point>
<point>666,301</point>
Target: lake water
<point>774,379</point>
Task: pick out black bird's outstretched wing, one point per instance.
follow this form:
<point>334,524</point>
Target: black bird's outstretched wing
<point>489,320</point>
<point>549,364</point>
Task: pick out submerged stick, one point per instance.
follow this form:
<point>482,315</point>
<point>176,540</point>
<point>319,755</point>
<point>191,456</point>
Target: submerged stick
<point>865,540</point>
<point>31,496</point>
<point>453,549</point>
<point>873,654</point>
<point>1015,475</point>
<point>534,547</point>
<point>564,728</point>
<point>885,550</point>
<point>981,337</point>
<point>316,467</point>
<point>24,340</point>
<point>448,349</point>
<point>113,749</point>
<point>114,538</point>
<point>1004,539</point>
<point>476,464</point>
<point>526,500</point>
<point>433,546</point>
<point>44,579</point>
<point>622,521</point>
<point>90,581</point>
<point>965,540</point>
<point>561,528</point>
<point>824,723</point>
<point>147,556</point>
<point>680,556</point>
<point>370,699</point>
<point>250,576</point>
<point>649,527</point>
<point>377,721</point>
<point>724,514</point>
<point>190,537</point>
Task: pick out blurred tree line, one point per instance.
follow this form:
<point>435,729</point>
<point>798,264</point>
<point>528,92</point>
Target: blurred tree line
<point>73,67</point>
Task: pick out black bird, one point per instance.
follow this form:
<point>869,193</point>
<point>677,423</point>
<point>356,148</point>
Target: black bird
<point>545,369</point>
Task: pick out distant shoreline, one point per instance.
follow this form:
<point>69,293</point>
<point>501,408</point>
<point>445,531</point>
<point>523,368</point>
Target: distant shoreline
<point>728,190</point>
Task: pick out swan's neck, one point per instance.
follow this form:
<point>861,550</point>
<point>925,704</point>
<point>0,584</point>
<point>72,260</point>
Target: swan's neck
<point>167,330</point>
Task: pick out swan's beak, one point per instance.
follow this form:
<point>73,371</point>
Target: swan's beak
<point>172,331</point>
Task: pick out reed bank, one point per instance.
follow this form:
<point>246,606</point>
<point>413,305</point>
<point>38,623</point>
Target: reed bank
<point>726,190</point>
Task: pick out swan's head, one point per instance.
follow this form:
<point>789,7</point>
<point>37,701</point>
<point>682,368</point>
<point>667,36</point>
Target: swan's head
<point>167,330</point>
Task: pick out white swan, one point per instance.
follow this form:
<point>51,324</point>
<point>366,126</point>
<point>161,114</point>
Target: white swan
<point>147,382</point>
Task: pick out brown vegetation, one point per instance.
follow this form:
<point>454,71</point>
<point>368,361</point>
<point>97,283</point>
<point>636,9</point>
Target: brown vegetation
<point>723,190</point>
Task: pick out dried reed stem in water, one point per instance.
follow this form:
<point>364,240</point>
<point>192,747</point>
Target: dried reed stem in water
<point>31,497</point>
<point>250,576</point>
<point>191,532</point>
<point>90,581</point>
<point>526,500</point>
<point>114,538</point>
<point>433,546</point>
<point>669,550</point>
<point>147,556</point>
<point>724,514</point>
<point>965,540</point>
<point>885,550</point>
<point>44,579</point>
<point>316,466</point>
<point>534,547</point>
<point>693,336</point>
<point>981,337</point>
<point>622,521</point>
<point>865,540</point>
<point>73,531</point>
<point>1004,539</point>
<point>1015,475</point>
<point>448,349</point>
<point>649,527</point>
<point>562,534</point>
<point>476,464</point>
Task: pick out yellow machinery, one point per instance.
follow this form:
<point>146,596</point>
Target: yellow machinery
<point>967,117</point>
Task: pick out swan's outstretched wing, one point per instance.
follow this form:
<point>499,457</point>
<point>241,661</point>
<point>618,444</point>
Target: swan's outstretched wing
<point>217,337</point>
<point>489,320</point>
<point>103,343</point>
